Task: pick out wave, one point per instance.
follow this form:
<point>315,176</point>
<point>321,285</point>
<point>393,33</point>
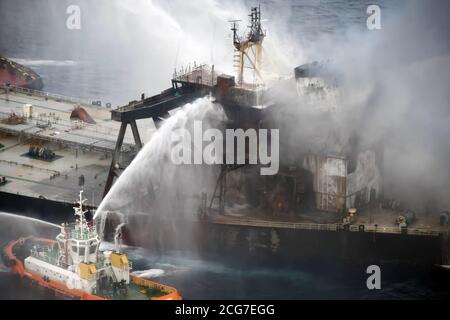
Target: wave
<point>150,273</point>
<point>111,246</point>
<point>6,215</point>
<point>55,63</point>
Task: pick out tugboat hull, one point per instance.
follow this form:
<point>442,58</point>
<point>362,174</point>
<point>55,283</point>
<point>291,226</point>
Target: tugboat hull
<point>12,256</point>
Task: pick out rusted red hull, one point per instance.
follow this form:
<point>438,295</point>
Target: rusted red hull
<point>15,74</point>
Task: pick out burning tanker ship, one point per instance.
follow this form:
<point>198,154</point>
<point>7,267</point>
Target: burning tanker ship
<point>327,195</point>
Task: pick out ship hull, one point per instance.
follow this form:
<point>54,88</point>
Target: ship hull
<point>15,74</point>
<point>248,244</point>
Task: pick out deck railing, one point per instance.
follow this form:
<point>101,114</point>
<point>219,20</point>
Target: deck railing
<point>326,226</point>
<point>201,74</point>
<point>48,95</point>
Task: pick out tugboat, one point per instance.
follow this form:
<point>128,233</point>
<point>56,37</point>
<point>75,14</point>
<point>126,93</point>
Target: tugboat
<point>73,266</point>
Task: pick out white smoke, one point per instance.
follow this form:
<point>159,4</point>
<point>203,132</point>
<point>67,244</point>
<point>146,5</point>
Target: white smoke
<point>394,88</point>
<point>152,183</point>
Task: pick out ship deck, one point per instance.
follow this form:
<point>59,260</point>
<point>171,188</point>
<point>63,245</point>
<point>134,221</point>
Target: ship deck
<point>84,150</point>
<point>56,109</point>
<point>57,180</point>
<point>372,219</point>
<point>134,292</point>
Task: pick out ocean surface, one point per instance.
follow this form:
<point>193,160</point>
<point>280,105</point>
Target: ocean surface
<point>213,278</point>
<point>125,48</point>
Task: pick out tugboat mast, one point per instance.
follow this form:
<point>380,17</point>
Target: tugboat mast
<point>80,212</point>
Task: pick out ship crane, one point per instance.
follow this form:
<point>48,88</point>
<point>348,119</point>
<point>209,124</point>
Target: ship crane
<point>248,51</point>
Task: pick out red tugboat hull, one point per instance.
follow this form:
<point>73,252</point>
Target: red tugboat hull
<point>16,265</point>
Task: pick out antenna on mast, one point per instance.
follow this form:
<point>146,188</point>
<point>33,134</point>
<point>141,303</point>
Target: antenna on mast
<point>248,52</point>
<point>235,28</point>
<point>80,212</point>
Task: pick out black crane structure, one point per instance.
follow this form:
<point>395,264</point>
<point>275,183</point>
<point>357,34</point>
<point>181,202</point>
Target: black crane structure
<point>156,108</point>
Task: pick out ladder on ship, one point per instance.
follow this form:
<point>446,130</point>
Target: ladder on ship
<point>221,185</point>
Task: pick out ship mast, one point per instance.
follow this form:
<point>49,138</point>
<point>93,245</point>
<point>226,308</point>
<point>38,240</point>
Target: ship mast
<point>80,212</point>
<point>248,51</point>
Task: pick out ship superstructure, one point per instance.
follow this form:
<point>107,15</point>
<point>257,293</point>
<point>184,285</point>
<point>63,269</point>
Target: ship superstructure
<point>75,258</point>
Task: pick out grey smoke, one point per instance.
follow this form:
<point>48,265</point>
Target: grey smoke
<point>395,88</point>
<point>395,81</point>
